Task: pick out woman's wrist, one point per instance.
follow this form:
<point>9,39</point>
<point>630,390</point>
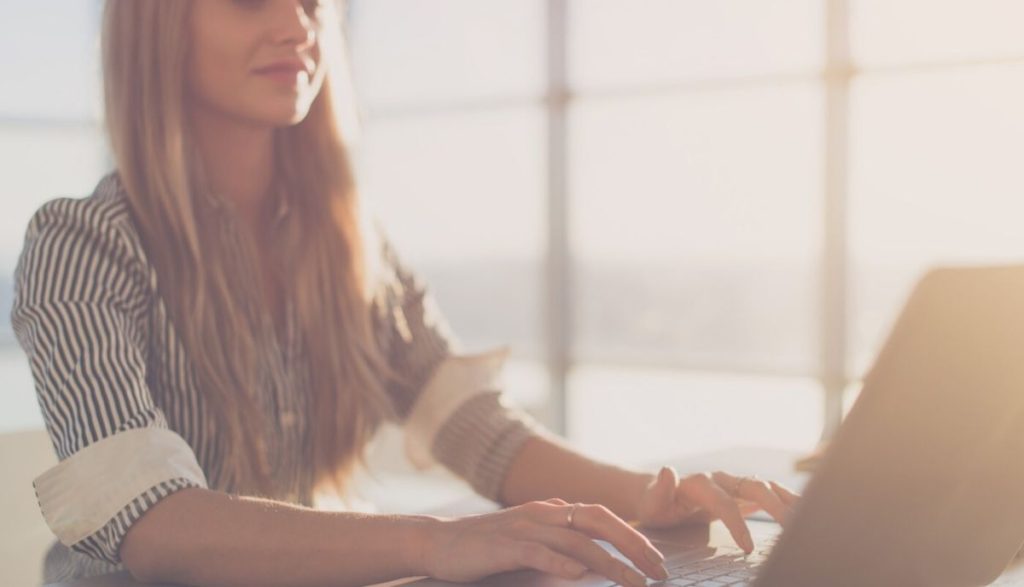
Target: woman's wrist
<point>417,534</point>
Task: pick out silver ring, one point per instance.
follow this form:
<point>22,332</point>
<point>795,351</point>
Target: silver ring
<point>572,514</point>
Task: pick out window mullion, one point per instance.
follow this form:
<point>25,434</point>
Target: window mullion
<point>835,262</point>
<point>557,282</point>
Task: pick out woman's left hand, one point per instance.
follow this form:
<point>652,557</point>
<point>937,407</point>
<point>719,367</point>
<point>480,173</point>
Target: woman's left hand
<point>702,498</point>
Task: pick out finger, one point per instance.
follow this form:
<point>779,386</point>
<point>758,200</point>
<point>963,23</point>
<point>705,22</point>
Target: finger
<point>583,549</point>
<point>756,491</point>
<point>547,511</point>
<point>714,499</point>
<point>748,508</point>
<point>534,555</point>
<point>788,497</point>
<point>761,493</point>
<point>599,522</point>
<point>665,485</point>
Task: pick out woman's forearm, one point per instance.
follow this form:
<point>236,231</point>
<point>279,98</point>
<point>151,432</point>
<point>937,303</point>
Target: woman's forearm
<point>208,538</point>
<point>546,468</point>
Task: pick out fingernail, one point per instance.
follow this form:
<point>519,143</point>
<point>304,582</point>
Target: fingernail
<point>653,555</point>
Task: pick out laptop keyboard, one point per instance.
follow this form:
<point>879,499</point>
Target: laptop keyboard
<point>735,569</point>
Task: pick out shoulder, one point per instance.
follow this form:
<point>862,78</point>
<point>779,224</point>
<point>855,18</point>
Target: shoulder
<point>69,238</point>
<point>105,210</point>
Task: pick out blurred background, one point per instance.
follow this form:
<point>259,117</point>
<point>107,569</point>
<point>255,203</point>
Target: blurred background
<point>692,220</point>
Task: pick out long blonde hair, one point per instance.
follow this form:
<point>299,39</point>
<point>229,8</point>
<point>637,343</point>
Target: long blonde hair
<point>145,51</point>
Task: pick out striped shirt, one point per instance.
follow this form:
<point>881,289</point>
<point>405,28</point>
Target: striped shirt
<point>128,418</point>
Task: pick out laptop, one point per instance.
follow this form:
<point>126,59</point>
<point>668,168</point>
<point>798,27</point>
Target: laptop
<point>923,483</point>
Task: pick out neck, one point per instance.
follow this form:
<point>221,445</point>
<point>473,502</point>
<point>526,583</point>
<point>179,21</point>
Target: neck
<point>238,160</point>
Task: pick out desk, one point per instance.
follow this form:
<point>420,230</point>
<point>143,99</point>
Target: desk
<point>767,463</point>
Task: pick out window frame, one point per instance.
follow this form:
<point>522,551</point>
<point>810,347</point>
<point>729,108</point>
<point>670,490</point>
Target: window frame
<point>835,78</point>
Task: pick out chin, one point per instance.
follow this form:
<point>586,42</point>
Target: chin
<point>294,119</point>
<point>285,116</point>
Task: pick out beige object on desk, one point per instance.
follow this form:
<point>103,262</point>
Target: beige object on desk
<point>25,537</point>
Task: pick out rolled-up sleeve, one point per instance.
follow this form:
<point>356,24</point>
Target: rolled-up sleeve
<point>450,403</point>
<point>79,314</point>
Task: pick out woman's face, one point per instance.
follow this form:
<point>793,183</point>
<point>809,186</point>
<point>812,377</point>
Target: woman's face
<point>257,61</point>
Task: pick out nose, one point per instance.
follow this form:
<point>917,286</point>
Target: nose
<point>294,25</point>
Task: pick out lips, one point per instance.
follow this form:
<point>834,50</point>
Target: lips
<point>283,67</point>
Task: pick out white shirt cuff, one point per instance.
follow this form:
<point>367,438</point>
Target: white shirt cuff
<point>457,379</point>
<point>82,493</point>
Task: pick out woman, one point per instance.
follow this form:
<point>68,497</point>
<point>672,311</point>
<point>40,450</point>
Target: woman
<point>215,333</point>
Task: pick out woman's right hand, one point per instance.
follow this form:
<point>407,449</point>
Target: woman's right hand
<point>538,535</point>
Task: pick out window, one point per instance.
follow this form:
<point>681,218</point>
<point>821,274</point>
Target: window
<point>742,194</point>
<point>695,168</point>
<point>937,124</point>
<point>452,160</point>
<point>51,145</point>
<point>748,190</point>
<point>695,228</point>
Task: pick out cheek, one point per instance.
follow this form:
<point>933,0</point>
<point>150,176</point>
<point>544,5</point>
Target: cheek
<point>217,69</point>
